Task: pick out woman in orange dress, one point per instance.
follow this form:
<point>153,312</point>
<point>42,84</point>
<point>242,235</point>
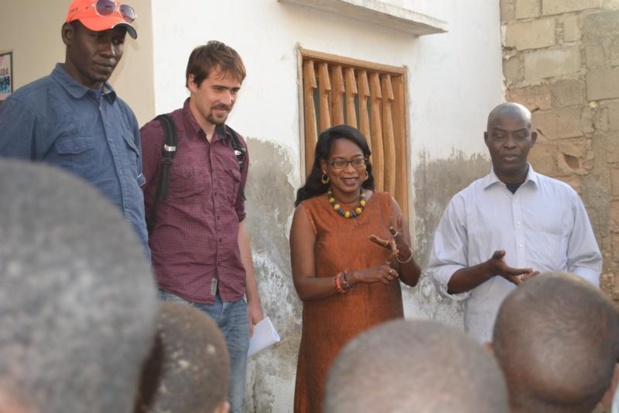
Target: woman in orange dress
<point>350,247</point>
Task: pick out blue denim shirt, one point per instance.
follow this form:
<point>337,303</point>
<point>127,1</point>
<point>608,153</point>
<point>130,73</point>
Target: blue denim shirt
<point>93,134</point>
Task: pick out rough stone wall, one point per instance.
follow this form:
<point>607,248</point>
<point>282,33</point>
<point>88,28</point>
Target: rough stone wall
<point>561,60</point>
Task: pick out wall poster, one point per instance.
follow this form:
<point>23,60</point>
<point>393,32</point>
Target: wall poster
<point>6,75</point>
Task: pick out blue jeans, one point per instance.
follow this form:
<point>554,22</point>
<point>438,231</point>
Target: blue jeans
<point>232,319</point>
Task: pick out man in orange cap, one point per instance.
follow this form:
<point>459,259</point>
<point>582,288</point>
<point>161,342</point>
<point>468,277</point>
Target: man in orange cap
<point>73,118</point>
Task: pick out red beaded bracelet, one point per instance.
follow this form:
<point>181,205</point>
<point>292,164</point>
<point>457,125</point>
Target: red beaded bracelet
<point>338,286</point>
<point>347,285</point>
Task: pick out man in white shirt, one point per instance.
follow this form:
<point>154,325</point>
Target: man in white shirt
<point>508,226</point>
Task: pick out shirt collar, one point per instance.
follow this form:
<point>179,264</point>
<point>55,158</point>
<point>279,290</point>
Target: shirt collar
<point>76,89</point>
<point>491,179</point>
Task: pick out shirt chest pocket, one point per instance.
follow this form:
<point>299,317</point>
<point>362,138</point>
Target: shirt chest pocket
<point>76,153</point>
<point>188,184</point>
<point>551,240</point>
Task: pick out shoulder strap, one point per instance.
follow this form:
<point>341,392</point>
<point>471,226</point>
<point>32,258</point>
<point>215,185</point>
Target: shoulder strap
<point>239,152</point>
<point>170,136</point>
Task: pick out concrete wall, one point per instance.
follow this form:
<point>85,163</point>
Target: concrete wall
<point>454,80</point>
<point>31,29</point>
<point>561,60</point>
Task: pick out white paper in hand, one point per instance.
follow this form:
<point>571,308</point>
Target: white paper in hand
<point>264,336</point>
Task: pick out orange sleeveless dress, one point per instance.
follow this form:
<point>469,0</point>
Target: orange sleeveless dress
<point>328,324</point>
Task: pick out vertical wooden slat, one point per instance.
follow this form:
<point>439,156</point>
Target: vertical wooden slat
<point>337,83</point>
<point>377,132</point>
<point>364,116</point>
<point>324,91</point>
<point>372,100</point>
<point>399,123</point>
<point>351,93</point>
<point>388,134</point>
<point>311,134</point>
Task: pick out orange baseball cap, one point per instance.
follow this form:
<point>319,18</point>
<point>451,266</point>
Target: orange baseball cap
<point>100,15</point>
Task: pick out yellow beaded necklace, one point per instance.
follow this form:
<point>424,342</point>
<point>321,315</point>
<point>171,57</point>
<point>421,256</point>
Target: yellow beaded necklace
<point>358,210</point>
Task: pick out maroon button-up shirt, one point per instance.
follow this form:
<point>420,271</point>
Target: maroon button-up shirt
<point>194,242</point>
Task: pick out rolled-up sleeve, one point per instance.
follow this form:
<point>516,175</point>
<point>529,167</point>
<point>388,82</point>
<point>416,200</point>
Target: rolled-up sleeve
<point>449,249</point>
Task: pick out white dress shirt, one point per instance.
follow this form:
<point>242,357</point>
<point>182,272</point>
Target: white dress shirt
<point>543,226</point>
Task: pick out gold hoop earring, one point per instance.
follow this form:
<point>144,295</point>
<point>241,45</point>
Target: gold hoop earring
<point>367,175</point>
<point>324,178</point>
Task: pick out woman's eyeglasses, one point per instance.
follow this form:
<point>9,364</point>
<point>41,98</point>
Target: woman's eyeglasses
<point>341,164</point>
<point>107,7</point>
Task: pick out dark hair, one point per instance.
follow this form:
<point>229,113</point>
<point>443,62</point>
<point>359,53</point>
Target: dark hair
<point>77,296</point>
<point>408,359</point>
<point>313,184</point>
<point>185,336</point>
<point>214,56</point>
<point>557,356</point>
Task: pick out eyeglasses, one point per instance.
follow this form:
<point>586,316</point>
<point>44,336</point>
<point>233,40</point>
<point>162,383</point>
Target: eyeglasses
<point>107,7</point>
<point>341,164</point>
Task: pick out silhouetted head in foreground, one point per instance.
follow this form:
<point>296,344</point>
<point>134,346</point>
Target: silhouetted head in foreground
<point>415,366</point>
<point>77,297</point>
<point>188,370</point>
<point>556,338</point>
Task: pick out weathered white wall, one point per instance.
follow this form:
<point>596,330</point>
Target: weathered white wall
<point>454,80</point>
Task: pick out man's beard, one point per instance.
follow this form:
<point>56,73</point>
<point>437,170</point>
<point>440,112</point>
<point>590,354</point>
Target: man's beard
<point>214,120</point>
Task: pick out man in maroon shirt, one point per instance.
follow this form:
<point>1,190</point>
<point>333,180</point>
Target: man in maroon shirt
<point>200,248</point>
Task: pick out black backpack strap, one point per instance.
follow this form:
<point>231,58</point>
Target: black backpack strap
<point>239,152</point>
<point>170,137</point>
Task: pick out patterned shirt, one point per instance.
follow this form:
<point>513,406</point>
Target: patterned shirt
<point>194,240</point>
<point>91,133</point>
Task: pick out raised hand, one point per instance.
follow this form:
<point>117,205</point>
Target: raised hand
<point>397,245</point>
<point>514,275</point>
<point>389,244</point>
<point>405,252</point>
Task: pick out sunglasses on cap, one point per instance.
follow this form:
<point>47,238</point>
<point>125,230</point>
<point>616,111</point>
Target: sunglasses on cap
<point>107,7</point>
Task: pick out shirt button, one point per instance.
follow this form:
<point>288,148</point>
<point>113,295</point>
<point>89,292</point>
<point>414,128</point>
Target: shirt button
<point>220,240</point>
<point>76,148</point>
